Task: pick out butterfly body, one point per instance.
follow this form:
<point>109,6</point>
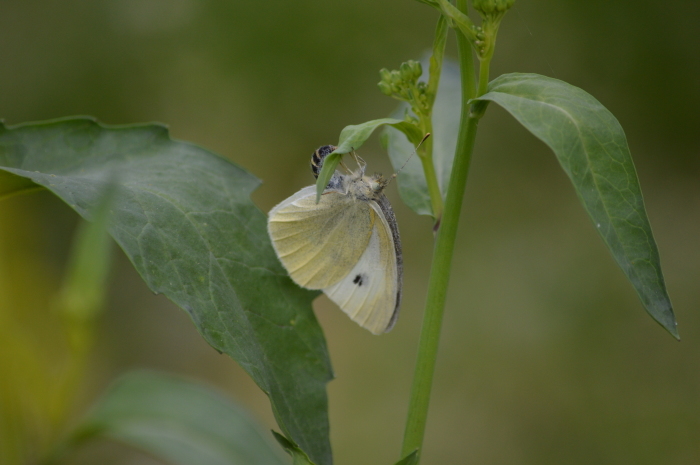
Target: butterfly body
<point>347,245</point>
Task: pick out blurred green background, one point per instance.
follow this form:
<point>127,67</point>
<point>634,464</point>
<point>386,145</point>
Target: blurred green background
<point>547,355</point>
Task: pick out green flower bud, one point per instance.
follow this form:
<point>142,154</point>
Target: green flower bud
<point>385,75</point>
<point>385,88</point>
<point>423,99</point>
<point>396,78</point>
<point>492,7</point>
<point>417,69</point>
<point>406,71</point>
<point>409,118</point>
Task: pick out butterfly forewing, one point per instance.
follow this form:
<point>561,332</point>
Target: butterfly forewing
<point>320,243</point>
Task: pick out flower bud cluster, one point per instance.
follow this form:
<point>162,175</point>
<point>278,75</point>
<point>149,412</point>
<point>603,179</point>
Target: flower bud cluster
<point>492,8</point>
<point>403,84</point>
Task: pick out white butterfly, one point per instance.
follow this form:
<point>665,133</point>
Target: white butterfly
<point>347,245</point>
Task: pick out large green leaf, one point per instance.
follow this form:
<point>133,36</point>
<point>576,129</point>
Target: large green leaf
<point>591,147</point>
<point>179,421</point>
<point>184,218</point>
<point>412,186</point>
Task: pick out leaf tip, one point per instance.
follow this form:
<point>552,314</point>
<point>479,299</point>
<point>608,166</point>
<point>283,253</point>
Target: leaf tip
<point>668,322</point>
<point>292,449</point>
<point>410,459</point>
<point>674,331</point>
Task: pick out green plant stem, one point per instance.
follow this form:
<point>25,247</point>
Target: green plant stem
<point>426,158</point>
<point>462,6</point>
<point>484,76</point>
<point>442,260</point>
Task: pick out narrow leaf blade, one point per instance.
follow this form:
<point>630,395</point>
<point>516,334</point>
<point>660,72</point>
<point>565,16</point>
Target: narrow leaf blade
<point>330,163</point>
<point>352,137</point>
<point>179,421</point>
<point>592,149</point>
<point>83,292</point>
<point>410,459</point>
<point>184,217</point>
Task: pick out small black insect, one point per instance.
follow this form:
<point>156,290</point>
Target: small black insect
<point>359,279</point>
<point>318,156</point>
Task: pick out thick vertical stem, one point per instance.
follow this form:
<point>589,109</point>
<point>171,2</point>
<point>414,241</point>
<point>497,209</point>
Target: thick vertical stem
<point>442,261</point>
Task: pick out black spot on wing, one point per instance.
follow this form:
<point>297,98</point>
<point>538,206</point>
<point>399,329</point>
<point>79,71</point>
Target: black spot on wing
<point>360,279</point>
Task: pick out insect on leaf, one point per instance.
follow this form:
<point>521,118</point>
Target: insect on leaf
<point>351,138</point>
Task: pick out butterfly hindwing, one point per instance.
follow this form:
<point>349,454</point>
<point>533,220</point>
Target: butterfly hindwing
<point>370,293</point>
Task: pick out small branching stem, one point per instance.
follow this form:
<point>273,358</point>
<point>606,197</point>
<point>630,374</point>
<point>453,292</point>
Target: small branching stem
<point>426,157</point>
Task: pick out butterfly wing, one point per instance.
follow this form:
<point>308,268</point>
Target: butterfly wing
<point>370,294</point>
<point>320,243</point>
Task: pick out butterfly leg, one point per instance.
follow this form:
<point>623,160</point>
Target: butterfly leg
<point>360,162</point>
<point>348,170</point>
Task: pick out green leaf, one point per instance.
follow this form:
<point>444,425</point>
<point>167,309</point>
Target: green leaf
<point>11,185</point>
<point>178,421</point>
<point>436,58</point>
<point>330,163</point>
<point>351,138</point>
<point>184,217</point>
<point>412,186</point>
<point>591,147</point>
<point>298,455</point>
<point>410,459</point>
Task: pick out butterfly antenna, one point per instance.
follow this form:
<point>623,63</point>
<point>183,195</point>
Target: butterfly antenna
<point>393,176</point>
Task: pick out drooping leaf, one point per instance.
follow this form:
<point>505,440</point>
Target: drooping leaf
<point>351,138</point>
<point>591,147</point>
<point>184,218</point>
<point>446,113</point>
<point>179,421</point>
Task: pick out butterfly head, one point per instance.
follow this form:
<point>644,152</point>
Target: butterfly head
<point>376,183</point>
